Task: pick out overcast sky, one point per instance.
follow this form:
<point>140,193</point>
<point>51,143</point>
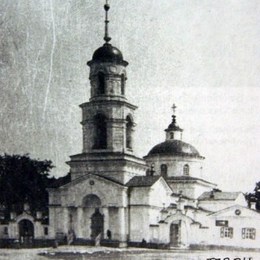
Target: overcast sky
<point>202,55</point>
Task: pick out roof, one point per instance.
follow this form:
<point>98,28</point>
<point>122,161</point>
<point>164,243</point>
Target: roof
<point>142,181</point>
<point>182,196</point>
<point>60,181</point>
<point>175,147</point>
<point>81,178</point>
<point>173,126</point>
<point>219,196</point>
<point>186,178</point>
<point>108,53</point>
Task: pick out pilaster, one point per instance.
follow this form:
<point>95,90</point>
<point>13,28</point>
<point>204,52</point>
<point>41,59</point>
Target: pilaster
<point>79,222</point>
<point>106,221</point>
<point>123,229</point>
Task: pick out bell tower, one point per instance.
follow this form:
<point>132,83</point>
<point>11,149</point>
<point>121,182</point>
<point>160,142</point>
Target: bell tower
<point>108,119</point>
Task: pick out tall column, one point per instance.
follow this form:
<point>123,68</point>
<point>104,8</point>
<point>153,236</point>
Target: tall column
<point>88,212</point>
<point>65,219</point>
<point>106,221</point>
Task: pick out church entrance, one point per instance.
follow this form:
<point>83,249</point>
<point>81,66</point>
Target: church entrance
<point>97,225</point>
<point>26,232</point>
<point>174,235</point>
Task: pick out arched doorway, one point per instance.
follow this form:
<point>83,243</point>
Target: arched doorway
<point>26,232</point>
<point>97,224</point>
<point>174,234</point>
<point>93,218</point>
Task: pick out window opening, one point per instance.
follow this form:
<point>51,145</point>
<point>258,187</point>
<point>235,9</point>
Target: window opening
<point>129,132</point>
<point>226,232</point>
<point>100,139</point>
<point>248,233</point>
<point>101,83</point>
<point>46,231</point>
<point>122,84</point>
<point>186,169</point>
<point>164,170</point>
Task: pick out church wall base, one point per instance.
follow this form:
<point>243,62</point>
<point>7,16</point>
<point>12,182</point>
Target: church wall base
<point>36,243</point>
<point>103,242</point>
<point>221,247</point>
<point>149,245</point>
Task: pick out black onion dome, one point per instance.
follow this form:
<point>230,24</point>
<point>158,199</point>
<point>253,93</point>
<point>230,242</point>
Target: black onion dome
<point>175,147</point>
<point>173,126</point>
<point>108,53</point>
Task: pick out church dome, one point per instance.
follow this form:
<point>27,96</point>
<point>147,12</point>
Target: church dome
<point>174,147</point>
<point>108,53</point>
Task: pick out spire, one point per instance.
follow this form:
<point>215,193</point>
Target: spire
<point>174,109</point>
<point>173,131</point>
<point>173,125</point>
<point>106,37</point>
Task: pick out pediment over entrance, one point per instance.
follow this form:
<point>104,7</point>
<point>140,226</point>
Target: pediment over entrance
<point>93,176</point>
<point>178,217</point>
<point>23,216</point>
<point>108,191</point>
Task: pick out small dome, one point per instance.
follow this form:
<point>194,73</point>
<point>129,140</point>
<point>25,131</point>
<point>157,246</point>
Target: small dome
<point>108,53</point>
<point>174,147</point>
<point>173,126</point>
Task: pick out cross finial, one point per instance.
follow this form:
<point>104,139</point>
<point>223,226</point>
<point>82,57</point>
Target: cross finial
<point>174,108</point>
<point>106,37</point>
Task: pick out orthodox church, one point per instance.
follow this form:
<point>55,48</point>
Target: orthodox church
<point>161,200</point>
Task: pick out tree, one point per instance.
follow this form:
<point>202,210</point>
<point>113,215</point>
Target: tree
<point>254,197</point>
<point>24,180</point>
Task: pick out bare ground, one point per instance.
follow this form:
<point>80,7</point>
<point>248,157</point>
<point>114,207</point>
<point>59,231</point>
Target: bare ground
<point>83,252</point>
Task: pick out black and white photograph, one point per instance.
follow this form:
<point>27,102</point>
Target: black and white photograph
<point>129,129</point>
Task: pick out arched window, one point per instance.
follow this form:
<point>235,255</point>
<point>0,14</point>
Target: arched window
<point>91,201</point>
<point>164,170</point>
<point>101,83</point>
<point>129,130</point>
<point>122,84</point>
<point>100,135</point>
<point>186,169</point>
<point>171,135</point>
<point>26,230</point>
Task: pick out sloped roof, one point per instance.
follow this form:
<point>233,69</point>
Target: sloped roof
<point>186,178</point>
<point>60,181</point>
<point>84,177</point>
<point>142,181</point>
<point>219,196</point>
<point>183,196</point>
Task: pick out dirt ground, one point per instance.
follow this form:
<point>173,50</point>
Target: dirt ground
<point>83,252</point>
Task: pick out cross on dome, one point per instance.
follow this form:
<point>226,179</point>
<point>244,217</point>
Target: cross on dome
<point>174,108</point>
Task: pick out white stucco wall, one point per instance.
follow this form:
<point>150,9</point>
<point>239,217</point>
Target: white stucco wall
<point>189,189</point>
<point>216,205</point>
<point>175,165</point>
